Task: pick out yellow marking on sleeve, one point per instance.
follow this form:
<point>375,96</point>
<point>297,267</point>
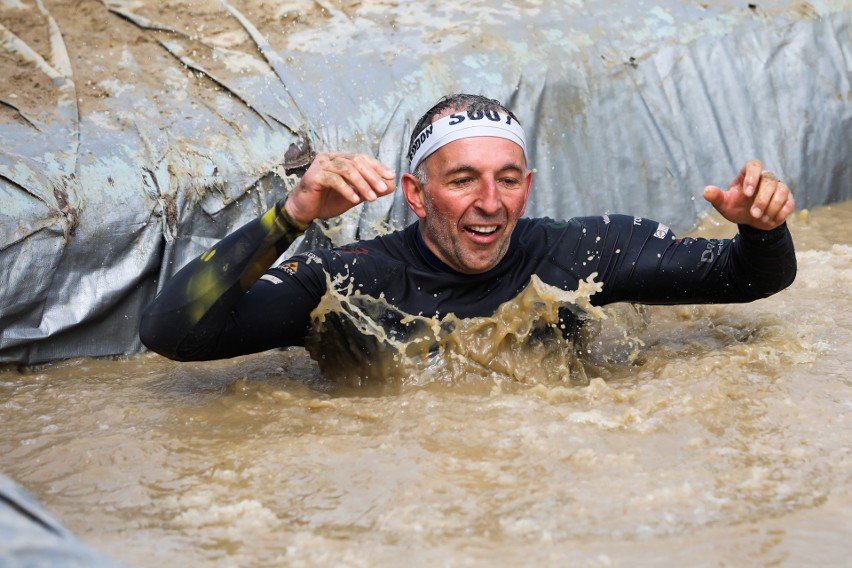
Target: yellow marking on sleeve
<point>202,292</point>
<point>257,268</point>
<point>268,219</point>
<point>208,255</point>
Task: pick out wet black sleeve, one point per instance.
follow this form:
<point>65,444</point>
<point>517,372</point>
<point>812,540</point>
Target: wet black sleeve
<point>215,307</point>
<point>648,268</point>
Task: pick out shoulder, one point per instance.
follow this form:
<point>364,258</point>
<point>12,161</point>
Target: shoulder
<point>545,232</point>
<point>631,223</point>
<point>371,258</point>
<point>391,245</point>
<point>557,228</point>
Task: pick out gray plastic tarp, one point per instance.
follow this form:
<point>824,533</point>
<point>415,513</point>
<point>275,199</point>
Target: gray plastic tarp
<point>30,536</point>
<point>135,134</point>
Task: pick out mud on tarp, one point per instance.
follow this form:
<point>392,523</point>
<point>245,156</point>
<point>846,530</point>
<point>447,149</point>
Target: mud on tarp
<point>135,134</point>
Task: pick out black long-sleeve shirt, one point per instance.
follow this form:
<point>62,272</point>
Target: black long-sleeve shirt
<point>217,307</point>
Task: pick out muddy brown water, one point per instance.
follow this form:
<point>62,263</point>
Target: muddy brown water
<point>691,435</point>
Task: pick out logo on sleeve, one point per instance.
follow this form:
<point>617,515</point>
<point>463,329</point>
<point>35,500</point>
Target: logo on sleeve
<point>354,249</point>
<point>291,267</point>
<point>661,231</point>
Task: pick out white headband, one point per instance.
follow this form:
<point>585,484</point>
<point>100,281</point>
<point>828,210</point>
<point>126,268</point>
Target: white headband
<point>464,125</point>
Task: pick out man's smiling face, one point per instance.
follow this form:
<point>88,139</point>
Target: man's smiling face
<point>477,190</point>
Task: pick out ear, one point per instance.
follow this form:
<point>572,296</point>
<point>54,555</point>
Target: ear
<point>414,195</point>
<point>528,181</point>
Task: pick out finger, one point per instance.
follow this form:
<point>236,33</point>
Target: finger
<point>781,215</point>
<point>751,176</point>
<point>777,201</point>
<point>788,208</point>
<point>368,177</point>
<point>377,174</point>
<point>766,174</point>
<point>714,195</point>
<point>358,179</point>
<point>337,183</point>
<point>771,196</point>
<point>765,190</point>
<point>378,166</point>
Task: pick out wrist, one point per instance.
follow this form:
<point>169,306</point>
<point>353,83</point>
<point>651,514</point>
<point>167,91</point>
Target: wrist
<point>291,219</point>
<point>754,233</point>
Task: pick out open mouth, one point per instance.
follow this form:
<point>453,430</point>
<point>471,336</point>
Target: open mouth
<point>482,229</point>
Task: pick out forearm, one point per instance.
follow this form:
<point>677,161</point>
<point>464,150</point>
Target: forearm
<point>753,265</point>
<point>767,259</point>
<point>638,266</point>
<point>208,288</point>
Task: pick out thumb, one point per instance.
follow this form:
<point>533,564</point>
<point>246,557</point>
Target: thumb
<point>714,195</point>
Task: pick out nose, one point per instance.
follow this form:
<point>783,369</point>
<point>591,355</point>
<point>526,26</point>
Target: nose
<point>489,196</point>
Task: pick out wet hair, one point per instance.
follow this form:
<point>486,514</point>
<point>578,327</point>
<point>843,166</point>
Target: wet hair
<point>453,103</point>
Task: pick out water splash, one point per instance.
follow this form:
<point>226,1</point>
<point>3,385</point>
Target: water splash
<point>360,340</point>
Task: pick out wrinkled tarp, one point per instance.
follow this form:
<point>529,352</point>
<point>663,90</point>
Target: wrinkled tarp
<point>31,536</point>
<point>135,134</point>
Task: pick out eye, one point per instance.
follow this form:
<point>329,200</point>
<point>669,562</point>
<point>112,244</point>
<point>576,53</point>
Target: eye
<point>461,182</point>
<point>510,181</point>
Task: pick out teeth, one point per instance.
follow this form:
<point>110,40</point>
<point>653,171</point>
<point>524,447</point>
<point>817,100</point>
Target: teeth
<point>483,230</point>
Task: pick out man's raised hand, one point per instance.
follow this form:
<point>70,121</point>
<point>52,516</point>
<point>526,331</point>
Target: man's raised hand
<point>756,198</point>
<point>335,182</point>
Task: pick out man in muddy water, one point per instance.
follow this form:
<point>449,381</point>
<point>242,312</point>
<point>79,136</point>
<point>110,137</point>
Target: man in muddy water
<point>470,249</point>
